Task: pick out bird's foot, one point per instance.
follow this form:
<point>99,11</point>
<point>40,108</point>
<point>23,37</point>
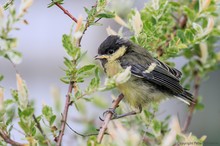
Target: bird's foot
<point>110,110</point>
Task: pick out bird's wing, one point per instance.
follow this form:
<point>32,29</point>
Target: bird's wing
<point>173,71</point>
<point>158,76</point>
<point>157,73</point>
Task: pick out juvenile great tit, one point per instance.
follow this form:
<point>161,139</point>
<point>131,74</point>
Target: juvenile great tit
<point>151,79</point>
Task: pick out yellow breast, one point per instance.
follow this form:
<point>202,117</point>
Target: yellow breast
<point>112,68</point>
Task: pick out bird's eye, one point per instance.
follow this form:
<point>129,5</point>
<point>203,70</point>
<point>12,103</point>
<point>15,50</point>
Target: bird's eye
<point>111,51</point>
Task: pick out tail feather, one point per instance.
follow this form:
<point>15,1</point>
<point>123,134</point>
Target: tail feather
<point>186,97</point>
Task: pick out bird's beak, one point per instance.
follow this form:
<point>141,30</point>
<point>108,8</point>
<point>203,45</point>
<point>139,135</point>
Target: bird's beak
<point>101,57</point>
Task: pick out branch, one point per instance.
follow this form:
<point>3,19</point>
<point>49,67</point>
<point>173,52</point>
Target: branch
<point>108,118</point>
<point>8,140</point>
<point>65,113</point>
<point>72,85</point>
<point>41,130</point>
<point>88,23</point>
<point>66,11</point>
<point>192,106</point>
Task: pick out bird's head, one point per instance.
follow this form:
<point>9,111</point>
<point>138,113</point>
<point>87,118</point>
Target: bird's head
<point>112,48</point>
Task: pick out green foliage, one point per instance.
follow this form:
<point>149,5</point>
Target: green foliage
<point>55,1</point>
<point>48,114</point>
<point>9,43</point>
<point>168,29</point>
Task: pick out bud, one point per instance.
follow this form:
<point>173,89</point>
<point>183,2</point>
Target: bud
<point>25,4</point>
<point>210,25</point>
<point>22,92</point>
<point>123,76</point>
<point>136,23</point>
<point>110,31</point>
<point>1,12</point>
<point>120,21</point>
<point>218,56</point>
<point>79,23</point>
<point>204,52</point>
<point>1,97</point>
<point>1,16</point>
<point>203,4</point>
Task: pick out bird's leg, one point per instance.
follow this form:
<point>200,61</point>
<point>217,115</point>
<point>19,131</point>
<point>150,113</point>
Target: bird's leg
<point>111,110</point>
<point>116,116</point>
<point>127,114</point>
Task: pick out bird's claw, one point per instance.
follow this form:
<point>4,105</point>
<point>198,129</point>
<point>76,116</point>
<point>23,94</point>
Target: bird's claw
<point>110,110</point>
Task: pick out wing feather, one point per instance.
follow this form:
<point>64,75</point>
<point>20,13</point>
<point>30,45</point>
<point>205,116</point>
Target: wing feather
<point>159,75</point>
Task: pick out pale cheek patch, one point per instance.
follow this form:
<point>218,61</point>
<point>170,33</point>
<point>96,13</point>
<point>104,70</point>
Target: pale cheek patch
<point>120,52</point>
<point>150,68</point>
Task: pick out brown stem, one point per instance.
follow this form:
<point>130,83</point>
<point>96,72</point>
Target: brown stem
<point>108,118</point>
<point>66,12</point>
<point>41,130</point>
<point>8,140</point>
<point>192,106</point>
<point>64,115</point>
<point>72,85</point>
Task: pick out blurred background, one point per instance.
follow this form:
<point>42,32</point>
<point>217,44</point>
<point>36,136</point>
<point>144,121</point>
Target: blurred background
<point>40,42</point>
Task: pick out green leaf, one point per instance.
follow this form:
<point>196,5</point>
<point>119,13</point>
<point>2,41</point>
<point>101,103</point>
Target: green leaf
<point>148,114</point>
<point>86,10</point>
<point>8,4</point>
<point>14,56</point>
<point>53,3</point>
<point>175,4</point>
<point>86,68</point>
<point>1,77</point>
<point>189,35</point>
<point>189,12</point>
<point>52,119</point>
<point>24,126</point>
<point>71,50</point>
<point>65,79</point>
<point>33,131</point>
<point>14,94</point>
<point>197,27</point>
<point>82,55</point>
<point>106,15</point>
<point>48,114</point>
<point>68,62</point>
<point>92,141</point>
<point>150,135</point>
<point>80,79</point>
<point>28,112</point>
<point>8,102</point>
<point>181,35</point>
<point>199,106</point>
<point>179,138</point>
<point>67,44</point>
<point>156,126</point>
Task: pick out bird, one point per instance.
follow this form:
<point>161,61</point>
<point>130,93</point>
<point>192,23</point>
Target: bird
<point>151,79</point>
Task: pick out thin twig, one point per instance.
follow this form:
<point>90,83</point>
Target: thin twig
<point>66,12</point>
<point>88,23</point>
<point>192,106</point>
<point>72,85</point>
<point>8,140</point>
<point>64,115</point>
<point>83,135</point>
<point>108,118</point>
<point>41,130</point>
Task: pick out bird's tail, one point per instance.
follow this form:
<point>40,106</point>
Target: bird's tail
<point>186,97</point>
